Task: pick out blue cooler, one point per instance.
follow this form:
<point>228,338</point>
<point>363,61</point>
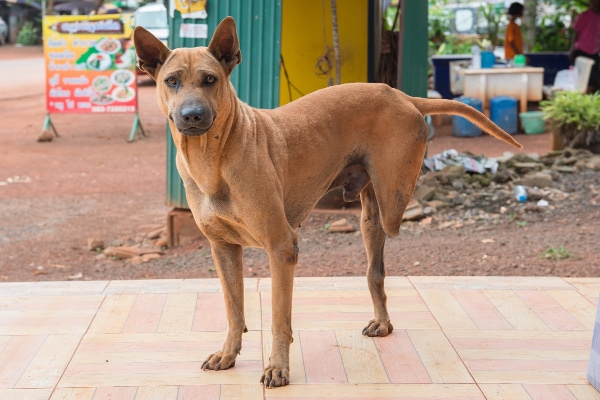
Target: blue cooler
<point>503,111</point>
<point>461,126</point>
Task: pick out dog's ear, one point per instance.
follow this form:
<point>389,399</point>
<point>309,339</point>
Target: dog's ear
<point>151,52</point>
<point>225,45</point>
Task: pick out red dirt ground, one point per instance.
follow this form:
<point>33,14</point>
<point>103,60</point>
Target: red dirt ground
<point>91,183</point>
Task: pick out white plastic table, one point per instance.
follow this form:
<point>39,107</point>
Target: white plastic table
<point>524,83</point>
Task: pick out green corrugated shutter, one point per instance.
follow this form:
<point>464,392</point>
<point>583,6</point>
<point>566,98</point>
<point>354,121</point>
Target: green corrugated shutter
<point>256,79</point>
<point>415,58</point>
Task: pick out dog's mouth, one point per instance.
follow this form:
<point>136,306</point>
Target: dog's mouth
<point>193,131</point>
<point>193,120</point>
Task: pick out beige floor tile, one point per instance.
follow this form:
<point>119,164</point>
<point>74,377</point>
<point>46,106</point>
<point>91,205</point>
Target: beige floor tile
<point>589,287</point>
<point>113,314</point>
<point>178,312</point>
<point>360,357</point>
<point>584,392</point>
<point>515,310</point>
<point>374,391</point>
<point>25,394</point>
<point>504,391</point>
<point>488,282</point>
<point>73,394</point>
<point>46,367</point>
<point>157,393</point>
<point>516,337</point>
<point>246,392</point>
<point>571,301</point>
<point>446,309</point>
<point>439,357</point>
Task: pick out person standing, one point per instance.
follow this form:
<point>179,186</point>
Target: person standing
<point>513,41</point>
<point>586,41</point>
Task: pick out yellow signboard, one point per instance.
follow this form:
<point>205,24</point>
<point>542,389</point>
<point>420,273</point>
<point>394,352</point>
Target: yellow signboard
<point>90,64</point>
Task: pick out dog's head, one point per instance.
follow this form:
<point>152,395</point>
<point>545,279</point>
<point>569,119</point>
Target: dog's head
<point>192,83</point>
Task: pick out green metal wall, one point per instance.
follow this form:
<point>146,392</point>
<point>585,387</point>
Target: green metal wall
<point>256,79</point>
<point>415,57</point>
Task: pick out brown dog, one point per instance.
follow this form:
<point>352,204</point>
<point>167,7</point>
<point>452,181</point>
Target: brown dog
<point>252,176</point>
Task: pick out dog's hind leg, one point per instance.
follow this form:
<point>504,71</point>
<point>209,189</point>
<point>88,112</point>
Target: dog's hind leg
<point>228,261</point>
<point>374,241</point>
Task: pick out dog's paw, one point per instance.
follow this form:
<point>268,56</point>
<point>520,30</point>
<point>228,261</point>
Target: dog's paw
<point>218,361</point>
<point>377,328</point>
<point>275,377</point>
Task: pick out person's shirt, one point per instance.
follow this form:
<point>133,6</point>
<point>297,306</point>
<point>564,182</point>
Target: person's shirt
<point>513,35</point>
<point>587,26</point>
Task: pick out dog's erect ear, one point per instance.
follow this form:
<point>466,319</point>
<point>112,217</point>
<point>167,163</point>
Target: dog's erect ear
<point>150,51</point>
<point>225,45</point>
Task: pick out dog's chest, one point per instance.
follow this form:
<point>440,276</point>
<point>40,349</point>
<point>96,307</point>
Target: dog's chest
<point>219,221</point>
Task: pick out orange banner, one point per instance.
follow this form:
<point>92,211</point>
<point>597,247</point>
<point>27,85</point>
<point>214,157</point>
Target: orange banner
<point>90,64</point>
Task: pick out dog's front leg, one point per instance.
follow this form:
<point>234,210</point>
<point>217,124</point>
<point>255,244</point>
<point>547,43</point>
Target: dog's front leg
<point>282,258</point>
<point>228,261</point>
<point>374,240</point>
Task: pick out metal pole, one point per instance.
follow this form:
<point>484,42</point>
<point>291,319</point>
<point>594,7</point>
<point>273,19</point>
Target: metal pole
<point>336,43</point>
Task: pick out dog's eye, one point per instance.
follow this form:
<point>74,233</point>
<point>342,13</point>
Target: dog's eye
<point>210,79</point>
<point>171,81</point>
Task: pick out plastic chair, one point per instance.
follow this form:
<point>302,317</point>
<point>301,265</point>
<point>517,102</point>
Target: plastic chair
<point>582,68</point>
<point>583,65</point>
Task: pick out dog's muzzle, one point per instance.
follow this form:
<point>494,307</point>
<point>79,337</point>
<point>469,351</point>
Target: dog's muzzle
<point>193,119</point>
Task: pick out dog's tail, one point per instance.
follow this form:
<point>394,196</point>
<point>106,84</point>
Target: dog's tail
<point>453,107</point>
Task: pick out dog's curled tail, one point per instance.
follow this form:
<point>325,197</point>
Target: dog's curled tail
<point>453,107</point>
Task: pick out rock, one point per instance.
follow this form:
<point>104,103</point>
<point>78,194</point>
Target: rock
<point>423,192</point>
<point>95,244</point>
<point>505,175</point>
<point>78,275</point>
<point>148,250</point>
<point>437,204</point>
<point>537,179</point>
<point>161,242</point>
<point>522,167</point>
<point>593,163</point>
<point>341,225</point>
<point>155,234</point>
<point>564,168</point>
<point>413,212</point>
<point>453,172</point>
<point>458,185</point>
<point>148,257</point>
<point>122,251</point>
<point>46,136</point>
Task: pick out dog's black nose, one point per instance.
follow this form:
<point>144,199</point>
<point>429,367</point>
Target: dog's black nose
<point>192,114</point>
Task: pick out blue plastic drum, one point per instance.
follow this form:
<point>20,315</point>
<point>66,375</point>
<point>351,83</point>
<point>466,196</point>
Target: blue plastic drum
<point>461,126</point>
<point>503,111</point>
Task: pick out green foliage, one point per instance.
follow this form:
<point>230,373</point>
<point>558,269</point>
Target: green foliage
<point>28,35</point>
<point>439,23</point>
<point>573,109</point>
<point>456,44</point>
<point>557,253</point>
<point>493,15</point>
<point>552,34</point>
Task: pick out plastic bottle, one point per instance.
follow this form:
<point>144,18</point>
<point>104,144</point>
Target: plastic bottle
<point>475,57</point>
<point>520,193</point>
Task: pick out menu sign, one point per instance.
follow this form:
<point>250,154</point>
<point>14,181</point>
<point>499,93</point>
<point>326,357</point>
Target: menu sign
<point>90,64</point>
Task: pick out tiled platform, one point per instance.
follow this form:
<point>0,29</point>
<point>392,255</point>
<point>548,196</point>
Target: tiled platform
<point>454,338</point>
